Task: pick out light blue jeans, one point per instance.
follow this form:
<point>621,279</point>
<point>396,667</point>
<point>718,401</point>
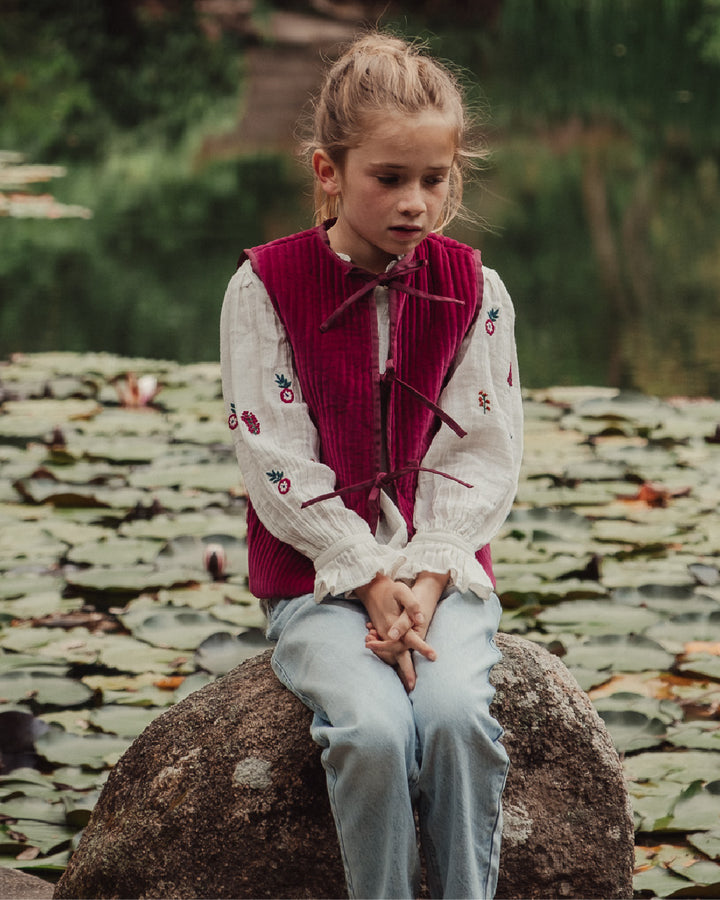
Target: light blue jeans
<point>384,750</point>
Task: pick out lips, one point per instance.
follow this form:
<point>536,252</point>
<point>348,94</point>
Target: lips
<point>406,229</point>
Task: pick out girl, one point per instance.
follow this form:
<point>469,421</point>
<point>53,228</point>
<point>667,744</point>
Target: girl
<point>372,390</point>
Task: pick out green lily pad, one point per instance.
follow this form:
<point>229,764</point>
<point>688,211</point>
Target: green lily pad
<point>133,580</point>
<point>657,881</point>
<point>43,687</point>
<point>698,808</point>
<point>703,664</point>
<point>222,652</point>
<point>707,842</point>
<point>173,626</point>
<point>35,809</point>
<point>673,766</point>
<point>15,586</point>
<point>686,627</point>
<point>190,523</point>
<point>207,476</point>
<point>126,721</point>
<point>696,735</point>
<point>619,653</point>
<point>96,751</point>
<point>633,730</point>
<point>57,862</point>
<point>592,617</point>
<point>115,552</point>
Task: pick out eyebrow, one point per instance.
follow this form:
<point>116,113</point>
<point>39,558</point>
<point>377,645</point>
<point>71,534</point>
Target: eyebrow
<point>401,166</point>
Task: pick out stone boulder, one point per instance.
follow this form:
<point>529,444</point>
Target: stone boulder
<point>224,796</point>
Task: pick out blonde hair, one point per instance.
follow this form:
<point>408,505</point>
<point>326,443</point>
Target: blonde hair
<point>380,73</point>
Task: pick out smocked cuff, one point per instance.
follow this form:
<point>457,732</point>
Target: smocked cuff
<point>352,562</point>
<point>441,552</point>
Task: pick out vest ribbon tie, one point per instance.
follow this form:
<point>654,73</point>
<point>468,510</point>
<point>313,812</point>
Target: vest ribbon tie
<point>390,376</point>
<point>391,279</point>
<point>377,483</point>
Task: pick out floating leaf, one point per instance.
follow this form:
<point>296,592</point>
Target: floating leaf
<point>222,652</point>
<point>633,730</point>
<point>698,808</point>
<point>625,653</point>
<point>115,552</point>
<point>43,687</point>
<point>96,751</point>
<point>126,721</point>
<point>140,577</point>
<point>707,842</point>
<point>173,626</point>
<point>593,617</point>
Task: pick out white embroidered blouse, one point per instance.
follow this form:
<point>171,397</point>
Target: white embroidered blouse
<point>280,468</point>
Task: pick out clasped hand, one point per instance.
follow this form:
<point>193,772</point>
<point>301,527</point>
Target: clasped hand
<point>399,619</point>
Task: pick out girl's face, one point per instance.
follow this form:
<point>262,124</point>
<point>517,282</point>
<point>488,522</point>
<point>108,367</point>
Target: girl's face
<point>391,187</point>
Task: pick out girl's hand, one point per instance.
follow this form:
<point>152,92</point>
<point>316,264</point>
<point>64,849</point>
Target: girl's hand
<point>394,611</point>
<point>395,654</point>
<point>395,650</point>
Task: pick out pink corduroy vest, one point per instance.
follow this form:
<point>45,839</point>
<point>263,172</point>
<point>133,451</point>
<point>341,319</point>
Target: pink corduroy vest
<point>327,308</point>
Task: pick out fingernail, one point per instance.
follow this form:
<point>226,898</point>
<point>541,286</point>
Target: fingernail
<point>393,634</point>
<point>420,619</point>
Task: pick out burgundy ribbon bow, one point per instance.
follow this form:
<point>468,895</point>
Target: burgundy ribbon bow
<point>391,279</point>
<point>377,483</point>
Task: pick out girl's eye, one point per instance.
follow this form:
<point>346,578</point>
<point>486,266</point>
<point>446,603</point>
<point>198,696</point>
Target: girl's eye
<point>434,180</point>
<point>387,179</point>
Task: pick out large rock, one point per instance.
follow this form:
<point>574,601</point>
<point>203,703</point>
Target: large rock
<point>20,886</point>
<point>224,796</point>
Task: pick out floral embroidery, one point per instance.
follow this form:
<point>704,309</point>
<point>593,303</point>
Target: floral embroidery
<point>491,320</point>
<point>484,401</point>
<point>232,418</point>
<point>251,422</point>
<point>283,484</point>
<point>509,378</point>
<point>287,395</point>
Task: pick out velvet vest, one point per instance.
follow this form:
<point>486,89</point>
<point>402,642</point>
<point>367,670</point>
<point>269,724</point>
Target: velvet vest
<point>327,308</point>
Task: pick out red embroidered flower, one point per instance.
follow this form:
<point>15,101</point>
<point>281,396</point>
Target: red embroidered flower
<point>510,378</point>
<point>251,422</point>
<point>287,395</point>
<point>491,320</point>
<point>484,401</point>
<point>278,478</point>
<point>232,418</point>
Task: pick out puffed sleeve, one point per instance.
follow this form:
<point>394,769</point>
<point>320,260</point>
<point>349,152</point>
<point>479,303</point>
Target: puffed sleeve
<point>277,446</point>
<point>452,521</point>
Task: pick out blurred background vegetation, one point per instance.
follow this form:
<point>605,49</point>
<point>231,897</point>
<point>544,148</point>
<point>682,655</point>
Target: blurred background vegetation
<point>175,120</point>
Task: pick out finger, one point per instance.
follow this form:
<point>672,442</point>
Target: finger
<point>406,670</point>
<point>413,641</point>
<point>400,626</point>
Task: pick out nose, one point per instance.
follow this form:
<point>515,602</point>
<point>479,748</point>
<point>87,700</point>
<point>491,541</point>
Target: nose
<point>412,202</point>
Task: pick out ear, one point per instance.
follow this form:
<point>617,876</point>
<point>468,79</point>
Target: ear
<point>327,172</point>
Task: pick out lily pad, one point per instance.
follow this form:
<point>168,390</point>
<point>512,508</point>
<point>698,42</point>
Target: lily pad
<point>633,730</point>
<point>622,653</point>
<point>126,721</point>
<point>592,617</point>
<point>222,652</point>
<point>174,626</point>
<point>707,842</point>
<point>96,751</point>
<point>42,687</point>
<point>119,580</point>
<point>115,552</point>
<point>698,808</point>
<point>673,766</point>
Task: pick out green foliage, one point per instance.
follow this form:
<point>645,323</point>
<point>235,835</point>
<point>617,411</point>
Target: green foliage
<point>73,73</point>
<point>155,258</point>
